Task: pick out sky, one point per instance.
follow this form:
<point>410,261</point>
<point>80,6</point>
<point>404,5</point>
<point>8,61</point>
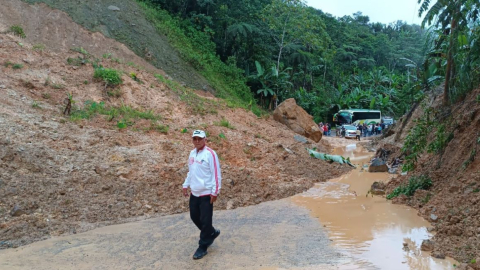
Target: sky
<point>384,11</point>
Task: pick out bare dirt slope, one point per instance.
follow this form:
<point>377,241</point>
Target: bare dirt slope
<point>453,203</point>
<point>87,25</point>
<point>59,176</point>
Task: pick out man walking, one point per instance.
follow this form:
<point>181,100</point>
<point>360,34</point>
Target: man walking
<point>205,180</point>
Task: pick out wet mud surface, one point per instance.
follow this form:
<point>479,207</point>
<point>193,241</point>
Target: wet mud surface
<point>273,234</point>
<point>331,226</point>
<point>377,233</point>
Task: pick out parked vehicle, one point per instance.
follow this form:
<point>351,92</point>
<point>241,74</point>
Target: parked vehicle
<point>387,120</point>
<point>350,131</point>
<point>357,117</point>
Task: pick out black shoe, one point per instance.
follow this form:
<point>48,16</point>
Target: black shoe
<point>216,233</point>
<point>200,253</point>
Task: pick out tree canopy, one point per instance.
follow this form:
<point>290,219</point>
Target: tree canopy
<point>285,49</point>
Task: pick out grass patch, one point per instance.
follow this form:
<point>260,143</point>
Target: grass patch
<point>116,93</point>
<point>124,114</point>
<point>80,50</point>
<point>224,123</point>
<point>197,104</point>
<point>77,61</point>
<point>46,96</point>
<point>111,77</point>
<point>159,127</point>
<point>57,86</point>
<point>17,30</point>
<point>133,75</point>
<point>35,104</point>
<point>38,47</point>
<point>17,66</point>
<point>414,183</point>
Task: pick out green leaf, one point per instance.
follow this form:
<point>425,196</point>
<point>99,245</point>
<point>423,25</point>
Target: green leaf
<point>121,124</point>
<point>462,40</point>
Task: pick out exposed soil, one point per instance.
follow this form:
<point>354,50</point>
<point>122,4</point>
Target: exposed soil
<point>452,203</point>
<point>50,25</point>
<point>60,177</point>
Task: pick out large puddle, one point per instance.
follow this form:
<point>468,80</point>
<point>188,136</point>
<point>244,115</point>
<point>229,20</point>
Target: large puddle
<point>377,233</point>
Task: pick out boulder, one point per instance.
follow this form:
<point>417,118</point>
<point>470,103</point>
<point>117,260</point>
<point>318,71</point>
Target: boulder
<point>378,188</point>
<point>378,165</point>
<point>427,245</point>
<point>297,119</point>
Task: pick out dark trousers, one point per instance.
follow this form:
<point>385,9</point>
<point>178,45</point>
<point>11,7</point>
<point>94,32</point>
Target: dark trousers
<point>201,213</point>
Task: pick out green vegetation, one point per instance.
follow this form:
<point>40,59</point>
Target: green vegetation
<point>38,47</point>
<point>442,138</point>
<point>197,104</point>
<point>470,159</point>
<point>414,183</point>
<point>111,77</point>
<point>77,61</point>
<point>416,140</point>
<point>224,123</point>
<point>133,75</point>
<point>116,93</point>
<point>46,96</point>
<point>160,128</point>
<point>14,66</point>
<point>198,50</point>
<point>17,30</point>
<point>222,136</point>
<point>125,114</point>
<point>57,85</point>
<point>35,104</point>
<point>80,50</point>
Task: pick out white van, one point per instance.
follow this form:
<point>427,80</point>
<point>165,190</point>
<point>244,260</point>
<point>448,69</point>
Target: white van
<point>387,120</point>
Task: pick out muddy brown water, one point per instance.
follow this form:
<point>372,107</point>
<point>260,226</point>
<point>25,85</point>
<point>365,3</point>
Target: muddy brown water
<point>371,229</point>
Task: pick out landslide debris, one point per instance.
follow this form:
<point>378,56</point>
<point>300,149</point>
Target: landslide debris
<point>122,157</point>
<point>450,160</point>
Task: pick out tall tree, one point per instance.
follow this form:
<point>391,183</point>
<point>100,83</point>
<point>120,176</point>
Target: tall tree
<point>452,16</point>
<point>292,23</point>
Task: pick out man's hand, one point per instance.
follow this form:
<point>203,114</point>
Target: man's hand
<point>185,192</point>
<point>212,199</point>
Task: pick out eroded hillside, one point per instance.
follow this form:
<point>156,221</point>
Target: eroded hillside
<point>121,155</point>
<point>450,160</point>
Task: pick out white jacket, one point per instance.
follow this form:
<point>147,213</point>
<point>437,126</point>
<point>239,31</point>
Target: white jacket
<point>204,176</point>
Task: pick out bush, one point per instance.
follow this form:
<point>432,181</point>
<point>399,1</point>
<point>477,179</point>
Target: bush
<point>414,183</point>
<point>111,77</point>
<point>17,66</point>
<point>17,30</point>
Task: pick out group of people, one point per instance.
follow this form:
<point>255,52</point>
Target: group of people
<point>371,129</point>
<point>325,128</point>
<point>364,130</point>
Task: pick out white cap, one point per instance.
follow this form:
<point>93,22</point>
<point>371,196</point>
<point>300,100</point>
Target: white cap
<point>199,133</point>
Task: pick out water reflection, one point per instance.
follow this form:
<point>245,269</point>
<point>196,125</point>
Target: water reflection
<point>378,234</point>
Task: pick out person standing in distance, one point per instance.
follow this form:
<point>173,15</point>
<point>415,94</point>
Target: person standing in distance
<point>205,180</point>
